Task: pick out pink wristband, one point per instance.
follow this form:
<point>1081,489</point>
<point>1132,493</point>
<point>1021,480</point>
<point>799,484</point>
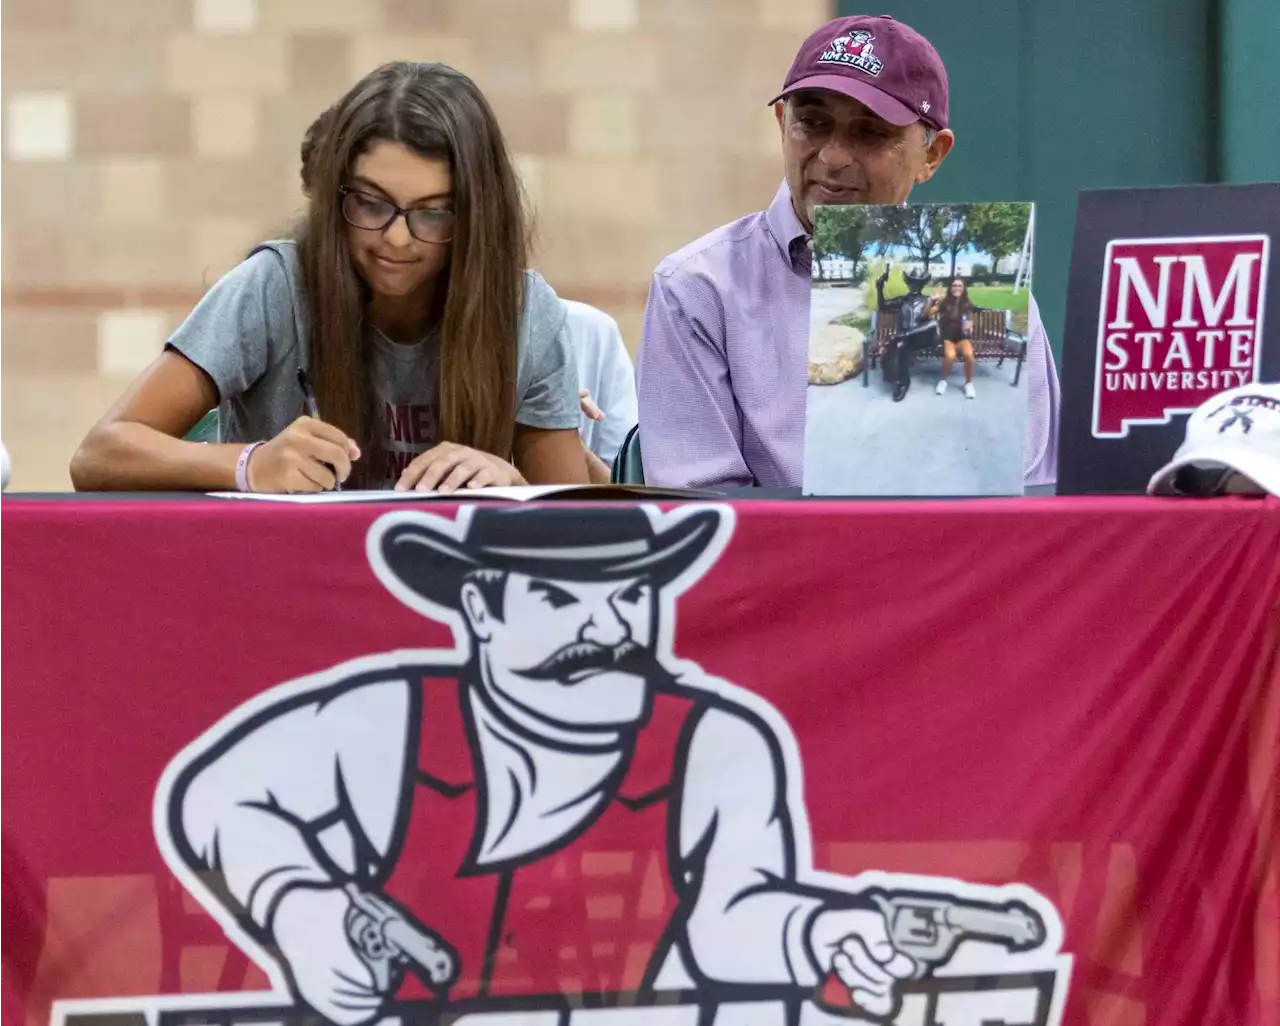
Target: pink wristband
<point>242,467</point>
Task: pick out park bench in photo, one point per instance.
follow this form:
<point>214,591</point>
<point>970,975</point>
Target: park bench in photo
<point>993,338</point>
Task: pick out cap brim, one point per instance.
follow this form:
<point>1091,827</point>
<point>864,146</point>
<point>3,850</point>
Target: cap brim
<point>1259,467</point>
<point>893,111</point>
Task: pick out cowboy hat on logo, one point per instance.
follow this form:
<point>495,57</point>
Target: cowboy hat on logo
<point>553,544</point>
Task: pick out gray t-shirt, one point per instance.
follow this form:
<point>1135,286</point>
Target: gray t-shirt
<point>404,381</point>
<point>250,332</point>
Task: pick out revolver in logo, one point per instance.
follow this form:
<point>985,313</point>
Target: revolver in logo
<point>391,941</point>
<point>928,928</point>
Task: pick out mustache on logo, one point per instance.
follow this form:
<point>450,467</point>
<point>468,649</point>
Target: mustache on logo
<point>582,658</point>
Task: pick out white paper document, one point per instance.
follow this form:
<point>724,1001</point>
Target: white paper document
<point>515,493</point>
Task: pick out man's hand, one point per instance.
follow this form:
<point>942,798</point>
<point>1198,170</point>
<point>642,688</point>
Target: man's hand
<point>854,945</point>
<point>310,931</point>
<point>448,467</point>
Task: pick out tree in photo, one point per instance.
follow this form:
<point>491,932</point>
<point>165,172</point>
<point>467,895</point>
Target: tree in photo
<point>920,229</point>
<point>840,231</point>
<point>957,236</point>
<point>998,229</point>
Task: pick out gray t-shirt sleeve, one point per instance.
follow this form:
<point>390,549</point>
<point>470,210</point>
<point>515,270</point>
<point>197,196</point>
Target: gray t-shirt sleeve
<point>547,378</point>
<point>243,326</point>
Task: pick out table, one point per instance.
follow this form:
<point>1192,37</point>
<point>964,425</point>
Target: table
<point>1061,713</point>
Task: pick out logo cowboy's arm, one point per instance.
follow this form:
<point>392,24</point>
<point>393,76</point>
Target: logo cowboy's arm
<point>751,920</point>
<point>748,921</point>
<point>287,799</point>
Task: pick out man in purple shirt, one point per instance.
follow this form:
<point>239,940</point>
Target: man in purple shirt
<point>723,364</point>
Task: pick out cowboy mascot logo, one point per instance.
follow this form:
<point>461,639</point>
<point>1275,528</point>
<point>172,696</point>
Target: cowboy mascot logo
<point>855,49</point>
<point>557,805</point>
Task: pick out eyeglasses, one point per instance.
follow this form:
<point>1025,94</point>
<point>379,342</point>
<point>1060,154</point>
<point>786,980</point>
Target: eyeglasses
<point>373,214</point>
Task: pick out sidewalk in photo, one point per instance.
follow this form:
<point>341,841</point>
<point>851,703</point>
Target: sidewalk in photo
<point>858,441</point>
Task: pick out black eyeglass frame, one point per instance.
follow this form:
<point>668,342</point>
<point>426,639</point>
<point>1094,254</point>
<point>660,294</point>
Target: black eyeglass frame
<point>346,190</point>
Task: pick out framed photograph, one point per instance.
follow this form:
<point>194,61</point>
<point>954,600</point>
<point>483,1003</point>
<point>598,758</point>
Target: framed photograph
<point>917,341</point>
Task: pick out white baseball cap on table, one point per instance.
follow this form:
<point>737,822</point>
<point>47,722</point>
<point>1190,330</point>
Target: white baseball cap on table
<point>1232,447</point>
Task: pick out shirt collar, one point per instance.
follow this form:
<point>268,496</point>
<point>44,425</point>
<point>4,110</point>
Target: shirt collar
<point>787,230</point>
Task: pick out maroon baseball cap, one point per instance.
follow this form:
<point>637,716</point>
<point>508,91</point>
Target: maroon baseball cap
<point>880,62</point>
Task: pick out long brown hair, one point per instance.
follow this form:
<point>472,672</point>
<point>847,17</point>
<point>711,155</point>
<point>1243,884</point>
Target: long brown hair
<point>438,113</point>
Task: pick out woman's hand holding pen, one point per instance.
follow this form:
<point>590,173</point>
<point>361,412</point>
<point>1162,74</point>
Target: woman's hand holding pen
<point>307,456</point>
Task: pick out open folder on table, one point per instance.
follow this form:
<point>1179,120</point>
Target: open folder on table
<point>518,493</point>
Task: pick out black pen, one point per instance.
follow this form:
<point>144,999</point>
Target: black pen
<point>313,411</point>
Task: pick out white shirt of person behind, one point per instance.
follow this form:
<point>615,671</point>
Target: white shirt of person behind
<point>605,370</point>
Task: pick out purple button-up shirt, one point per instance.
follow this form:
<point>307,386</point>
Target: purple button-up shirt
<point>724,362</point>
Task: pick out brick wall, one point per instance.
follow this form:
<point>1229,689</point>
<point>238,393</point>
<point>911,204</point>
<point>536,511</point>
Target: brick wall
<point>149,143</point>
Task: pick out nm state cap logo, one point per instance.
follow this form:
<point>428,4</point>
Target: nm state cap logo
<point>1238,413</point>
<point>854,49</point>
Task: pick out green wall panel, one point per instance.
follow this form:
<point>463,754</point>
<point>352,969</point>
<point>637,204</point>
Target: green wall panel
<point>1250,90</point>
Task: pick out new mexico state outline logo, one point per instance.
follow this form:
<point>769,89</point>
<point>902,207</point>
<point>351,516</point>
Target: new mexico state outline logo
<point>1180,320</point>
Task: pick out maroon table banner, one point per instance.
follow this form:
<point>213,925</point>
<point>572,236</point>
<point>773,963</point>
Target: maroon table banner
<point>936,764</point>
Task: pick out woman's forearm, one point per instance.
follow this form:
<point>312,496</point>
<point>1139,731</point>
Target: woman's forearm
<point>598,471</point>
<point>550,456</point>
<point>127,456</point>
<point>563,469</point>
